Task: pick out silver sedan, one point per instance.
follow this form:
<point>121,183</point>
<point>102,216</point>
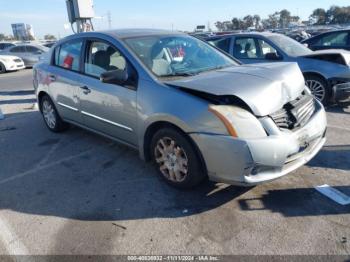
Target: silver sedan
<point>29,53</point>
<point>187,107</point>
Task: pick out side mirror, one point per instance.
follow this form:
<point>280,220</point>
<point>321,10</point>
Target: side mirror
<point>117,77</point>
<point>273,57</point>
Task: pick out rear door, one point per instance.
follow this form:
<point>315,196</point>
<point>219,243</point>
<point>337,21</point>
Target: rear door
<point>107,108</point>
<point>64,79</point>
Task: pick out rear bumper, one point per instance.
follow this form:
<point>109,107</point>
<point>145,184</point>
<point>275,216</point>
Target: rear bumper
<point>255,161</point>
<point>341,92</point>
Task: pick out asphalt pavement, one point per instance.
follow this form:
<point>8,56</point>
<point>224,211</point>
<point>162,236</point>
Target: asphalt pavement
<point>78,193</point>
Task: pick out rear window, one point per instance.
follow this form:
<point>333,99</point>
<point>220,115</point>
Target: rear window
<point>68,54</point>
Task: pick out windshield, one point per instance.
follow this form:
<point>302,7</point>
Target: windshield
<point>290,46</point>
<point>178,55</point>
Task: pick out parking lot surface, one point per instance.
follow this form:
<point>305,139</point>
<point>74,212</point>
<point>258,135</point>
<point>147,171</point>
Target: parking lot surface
<point>78,193</point>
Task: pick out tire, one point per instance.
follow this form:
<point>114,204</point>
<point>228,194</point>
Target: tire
<point>2,68</point>
<point>51,117</point>
<point>319,88</point>
<point>176,159</point>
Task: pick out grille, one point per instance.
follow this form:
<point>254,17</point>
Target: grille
<point>17,60</point>
<point>295,113</point>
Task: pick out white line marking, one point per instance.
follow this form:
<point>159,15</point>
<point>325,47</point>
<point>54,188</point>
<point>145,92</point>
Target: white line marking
<point>338,127</point>
<point>49,154</point>
<point>334,194</point>
<point>38,168</point>
<point>11,242</point>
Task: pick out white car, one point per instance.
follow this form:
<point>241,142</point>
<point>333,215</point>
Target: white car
<point>10,63</point>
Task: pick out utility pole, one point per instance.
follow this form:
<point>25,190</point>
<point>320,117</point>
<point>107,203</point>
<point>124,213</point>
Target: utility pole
<point>109,17</point>
<point>80,13</point>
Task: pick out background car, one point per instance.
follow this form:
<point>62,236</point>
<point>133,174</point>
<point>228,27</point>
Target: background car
<point>10,63</point>
<point>327,73</point>
<point>29,53</point>
<point>339,39</point>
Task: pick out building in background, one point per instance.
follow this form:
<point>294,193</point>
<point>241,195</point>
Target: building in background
<point>23,32</point>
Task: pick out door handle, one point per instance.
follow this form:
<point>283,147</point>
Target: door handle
<point>86,90</point>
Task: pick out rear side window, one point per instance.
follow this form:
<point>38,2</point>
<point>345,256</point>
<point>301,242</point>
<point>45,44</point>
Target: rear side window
<point>333,39</point>
<point>18,49</point>
<point>32,49</point>
<point>223,44</point>
<point>68,55</point>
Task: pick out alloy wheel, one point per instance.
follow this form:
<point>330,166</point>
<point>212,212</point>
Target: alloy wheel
<point>317,89</point>
<point>49,114</point>
<point>171,159</point>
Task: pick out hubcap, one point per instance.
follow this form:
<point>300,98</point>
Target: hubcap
<point>317,89</point>
<point>172,160</point>
<point>49,114</point>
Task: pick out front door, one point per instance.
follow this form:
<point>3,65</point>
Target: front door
<point>251,50</point>
<point>107,108</point>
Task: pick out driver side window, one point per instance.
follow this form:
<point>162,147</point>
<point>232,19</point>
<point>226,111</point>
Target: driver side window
<point>103,57</point>
<point>266,48</point>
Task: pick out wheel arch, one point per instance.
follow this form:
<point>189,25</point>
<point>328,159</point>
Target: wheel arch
<point>155,127</point>
<point>41,94</point>
<point>311,73</point>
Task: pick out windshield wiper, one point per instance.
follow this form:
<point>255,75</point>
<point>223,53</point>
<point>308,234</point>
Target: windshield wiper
<point>180,74</point>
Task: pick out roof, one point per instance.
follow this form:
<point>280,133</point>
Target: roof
<point>129,33</point>
<point>266,34</point>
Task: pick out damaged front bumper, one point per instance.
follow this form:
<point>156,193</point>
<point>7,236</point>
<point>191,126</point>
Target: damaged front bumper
<point>254,161</point>
<point>341,92</point>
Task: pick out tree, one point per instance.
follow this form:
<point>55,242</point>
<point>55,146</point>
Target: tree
<point>285,18</point>
<point>49,37</point>
<point>236,23</point>
<point>219,25</point>
<point>257,20</point>
<point>2,37</point>
<point>248,21</point>
<point>319,16</point>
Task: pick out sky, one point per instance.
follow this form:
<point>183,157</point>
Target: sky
<point>49,16</point>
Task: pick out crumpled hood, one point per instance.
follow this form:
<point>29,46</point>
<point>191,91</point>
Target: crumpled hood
<point>331,55</point>
<point>265,88</point>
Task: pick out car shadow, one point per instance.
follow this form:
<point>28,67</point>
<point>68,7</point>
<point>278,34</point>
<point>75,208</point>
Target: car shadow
<point>339,108</point>
<point>90,178</point>
<point>335,157</point>
<point>296,202</point>
<point>81,176</point>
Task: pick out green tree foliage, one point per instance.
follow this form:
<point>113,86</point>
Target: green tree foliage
<point>284,18</point>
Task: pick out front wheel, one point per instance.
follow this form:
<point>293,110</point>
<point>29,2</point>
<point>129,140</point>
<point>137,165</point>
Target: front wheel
<point>176,159</point>
<point>51,117</point>
<point>2,68</point>
<point>319,88</point>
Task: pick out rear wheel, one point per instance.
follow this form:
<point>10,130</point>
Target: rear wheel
<point>2,68</point>
<point>52,120</point>
<point>319,88</point>
<point>176,159</point>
